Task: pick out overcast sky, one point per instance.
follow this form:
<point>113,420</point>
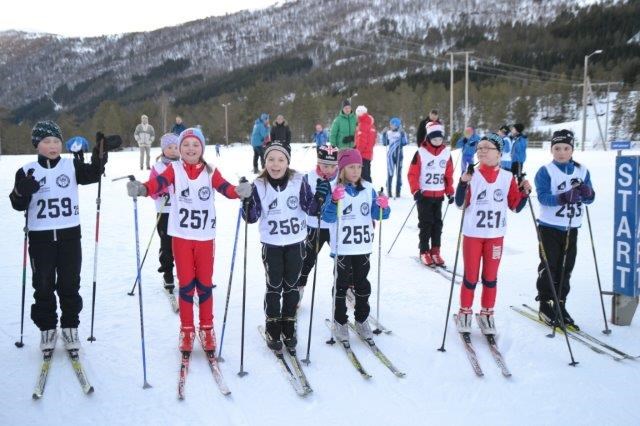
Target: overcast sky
<point>92,18</point>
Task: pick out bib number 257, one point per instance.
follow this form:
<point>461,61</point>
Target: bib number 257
<point>195,219</point>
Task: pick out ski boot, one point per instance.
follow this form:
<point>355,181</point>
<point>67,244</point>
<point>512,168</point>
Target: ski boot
<point>426,259</point>
<point>48,339</point>
<point>208,337</point>
<point>435,255</point>
<point>70,338</point>
<point>364,330</point>
<point>289,333</point>
<point>465,319</point>
<point>548,314</point>
<point>568,321</point>
<point>341,331</point>
<point>187,335</point>
<point>487,323</point>
<point>273,328</point>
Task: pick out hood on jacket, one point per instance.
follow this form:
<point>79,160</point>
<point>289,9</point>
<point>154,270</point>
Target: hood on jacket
<point>365,120</point>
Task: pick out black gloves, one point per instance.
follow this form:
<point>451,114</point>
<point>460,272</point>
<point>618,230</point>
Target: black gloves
<point>27,186</point>
<point>417,195</point>
<point>323,188</point>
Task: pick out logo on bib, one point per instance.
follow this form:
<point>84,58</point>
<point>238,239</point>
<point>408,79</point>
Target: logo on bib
<point>348,209</point>
<point>562,186</point>
<point>204,193</point>
<point>273,204</point>
<point>292,202</point>
<point>185,192</point>
<point>443,163</point>
<point>43,181</point>
<point>63,181</point>
<point>498,195</point>
<point>431,163</point>
<point>482,195</point>
<point>364,209</point>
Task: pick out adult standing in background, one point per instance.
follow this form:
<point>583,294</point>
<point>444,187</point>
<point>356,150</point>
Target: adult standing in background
<point>144,135</point>
<point>467,144</point>
<point>519,143</point>
<point>394,138</point>
<point>179,127</point>
<point>365,139</point>
<point>259,136</point>
<point>320,137</point>
<point>343,129</point>
<point>421,133</point>
<point>505,158</point>
<point>280,130</point>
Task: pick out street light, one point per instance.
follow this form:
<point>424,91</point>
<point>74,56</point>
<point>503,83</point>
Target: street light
<point>584,96</point>
<point>226,125</point>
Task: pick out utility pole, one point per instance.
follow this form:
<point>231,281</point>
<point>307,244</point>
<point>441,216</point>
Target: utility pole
<point>226,123</point>
<point>451,101</point>
<point>584,97</point>
<point>466,87</point>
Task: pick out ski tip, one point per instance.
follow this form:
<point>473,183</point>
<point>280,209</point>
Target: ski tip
<point>36,397</point>
<point>90,390</point>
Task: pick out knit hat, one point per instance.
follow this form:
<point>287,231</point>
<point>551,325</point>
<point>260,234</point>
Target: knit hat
<point>562,136</point>
<point>191,132</point>
<point>519,127</point>
<point>328,155</point>
<point>168,139</point>
<point>395,122</point>
<point>504,128</point>
<point>264,116</point>
<point>346,102</point>
<point>282,147</point>
<point>435,130</point>
<point>361,110</point>
<point>348,156</point>
<point>77,144</point>
<point>44,129</point>
<point>494,139</point>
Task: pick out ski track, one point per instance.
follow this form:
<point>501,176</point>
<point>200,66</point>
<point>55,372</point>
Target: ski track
<point>439,387</point>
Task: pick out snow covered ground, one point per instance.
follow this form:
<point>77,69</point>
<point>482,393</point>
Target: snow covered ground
<point>440,388</point>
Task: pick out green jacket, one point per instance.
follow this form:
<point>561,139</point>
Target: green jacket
<point>344,126</point>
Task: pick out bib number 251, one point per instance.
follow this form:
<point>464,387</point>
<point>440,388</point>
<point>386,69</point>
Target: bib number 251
<point>488,219</point>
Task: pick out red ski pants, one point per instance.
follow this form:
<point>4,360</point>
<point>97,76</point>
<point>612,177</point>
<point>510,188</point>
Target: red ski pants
<point>194,267</point>
<point>489,250</point>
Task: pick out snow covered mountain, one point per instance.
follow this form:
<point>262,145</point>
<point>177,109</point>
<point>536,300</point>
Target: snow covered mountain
<point>77,73</point>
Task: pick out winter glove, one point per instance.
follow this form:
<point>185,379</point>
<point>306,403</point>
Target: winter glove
<point>337,194</point>
<point>27,186</point>
<point>585,190</point>
<point>450,198</point>
<point>323,188</point>
<point>571,196</point>
<point>136,189</point>
<point>417,195</point>
<point>382,201</point>
<point>95,158</point>
<point>244,190</point>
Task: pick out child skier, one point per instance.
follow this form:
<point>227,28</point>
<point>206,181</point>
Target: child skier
<point>485,195</point>
<point>192,224</point>
<point>352,240</point>
<point>430,179</point>
<point>47,189</point>
<point>327,170</point>
<point>563,186</point>
<point>170,153</point>
<point>281,200</point>
<point>394,139</point>
<point>505,159</point>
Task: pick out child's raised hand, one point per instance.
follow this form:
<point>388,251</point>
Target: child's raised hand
<point>466,177</point>
<point>526,187</point>
<point>337,194</point>
<point>382,201</point>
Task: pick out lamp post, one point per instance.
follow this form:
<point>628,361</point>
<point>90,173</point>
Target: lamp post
<point>226,123</point>
<point>584,96</point>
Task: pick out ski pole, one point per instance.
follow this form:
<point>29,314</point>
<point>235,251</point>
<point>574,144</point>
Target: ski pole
<point>377,330</point>
<point>453,276</point>
<point>331,341</point>
<point>307,361</point>
<point>243,373</point>
<point>155,227</point>
<point>24,268</point>
<point>402,227</point>
<point>545,262</point>
<point>233,262</point>
<point>595,261</point>
<point>146,384</point>
<point>91,338</point>
<point>563,270</point>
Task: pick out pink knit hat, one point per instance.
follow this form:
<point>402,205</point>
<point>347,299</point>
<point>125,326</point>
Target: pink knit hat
<point>348,156</point>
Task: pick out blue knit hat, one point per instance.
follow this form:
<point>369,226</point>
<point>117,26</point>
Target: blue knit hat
<point>264,116</point>
<point>395,122</point>
<point>44,129</point>
<point>77,144</point>
<point>168,139</point>
<point>192,132</point>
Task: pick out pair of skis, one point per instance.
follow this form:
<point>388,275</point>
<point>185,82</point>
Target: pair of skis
<point>76,364</point>
<point>443,271</point>
<point>346,345</point>
<point>213,365</point>
<point>291,367</point>
<point>379,328</point>
<point>577,335</point>
<point>471,353</point>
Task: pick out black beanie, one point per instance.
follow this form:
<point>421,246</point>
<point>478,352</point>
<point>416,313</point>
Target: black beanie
<point>495,139</point>
<point>562,136</point>
<point>284,148</point>
<point>519,127</point>
<point>44,129</point>
<point>346,102</point>
<point>328,154</point>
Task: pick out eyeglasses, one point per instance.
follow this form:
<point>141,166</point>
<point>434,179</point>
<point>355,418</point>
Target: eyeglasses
<point>486,148</point>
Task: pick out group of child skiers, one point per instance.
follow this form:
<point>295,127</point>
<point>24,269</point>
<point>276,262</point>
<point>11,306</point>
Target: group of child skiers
<point>296,214</point>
